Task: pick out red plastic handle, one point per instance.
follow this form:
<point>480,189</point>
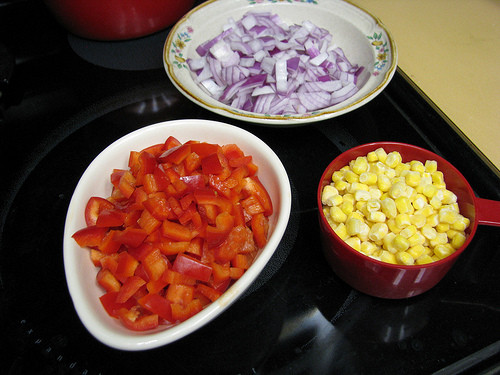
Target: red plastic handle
<point>488,212</point>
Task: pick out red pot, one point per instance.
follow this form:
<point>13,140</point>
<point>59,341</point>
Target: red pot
<point>117,19</point>
<point>387,280</point>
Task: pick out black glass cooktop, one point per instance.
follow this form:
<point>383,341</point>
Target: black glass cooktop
<point>66,100</point>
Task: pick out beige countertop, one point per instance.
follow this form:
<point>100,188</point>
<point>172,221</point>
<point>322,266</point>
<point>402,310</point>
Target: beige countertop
<point>450,49</point>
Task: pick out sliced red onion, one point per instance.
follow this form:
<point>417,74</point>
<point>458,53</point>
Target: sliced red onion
<point>260,64</point>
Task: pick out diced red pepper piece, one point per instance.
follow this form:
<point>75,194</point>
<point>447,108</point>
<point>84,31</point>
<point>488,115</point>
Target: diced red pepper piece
<point>191,267</point>
<point>171,142</point>
<point>224,223</point>
<point>131,236</point>
<point>148,222</point>
<point>209,292</point>
<point>109,303</point>
<point>129,288</point>
<point>107,280</point>
<point>126,185</point>
<point>89,236</point>
<point>157,305</point>
<point>260,229</point>
<point>147,163</point>
<point>254,186</point>
<point>176,231</point>
<point>214,163</point>
<point>239,240</point>
<point>220,272</point>
<point>179,293</point>
<point>133,321</point>
<point>111,218</point>
<point>204,149</point>
<point>94,207</point>
<point>173,277</point>
<point>175,155</point>
<point>181,313</point>
<point>154,264</point>
<point>126,266</point>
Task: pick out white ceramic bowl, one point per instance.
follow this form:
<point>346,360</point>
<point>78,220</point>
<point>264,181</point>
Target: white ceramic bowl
<point>81,273</point>
<point>362,37</point>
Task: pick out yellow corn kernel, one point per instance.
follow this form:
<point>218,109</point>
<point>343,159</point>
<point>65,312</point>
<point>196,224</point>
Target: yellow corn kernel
<point>416,239</point>
<point>359,165</point>
<point>416,251</point>
<point>400,243</point>
<point>426,211</point>
<point>418,220</point>
<point>435,202</point>
<point>412,178</point>
<point>393,227</point>
<point>451,233</point>
<point>390,172</point>
<point>440,239</point>
<point>368,178</point>
<point>432,220</point>
<point>438,178</point>
<point>354,242</point>
<point>376,217</point>
<point>417,166</point>
<point>423,259</point>
<point>353,226</point>
<point>387,240</point>
<point>358,186</point>
<point>443,227</point>
<point>337,176</point>
<point>337,214</point>
<point>378,231</point>
<point>361,207</point>
<point>384,183</point>
<point>375,193</point>
<point>356,215</point>
<point>351,177</point>
<point>327,195</point>
<point>341,185</point>
<point>397,189</point>
<point>448,216</point>
<point>428,232</point>
<point>372,157</point>
<point>393,159</point>
<point>402,220</point>
<point>373,205</point>
<point>429,190</point>
<point>378,168</point>
<point>461,224</point>
<point>388,257</point>
<point>401,168</point>
<point>349,197</point>
<point>430,166</point>
<point>409,231</point>
<point>402,204</point>
<point>442,251</point>
<point>389,208</point>
<point>419,201</point>
<point>405,258</point>
<point>364,231</point>
<point>341,231</point>
<point>347,207</point>
<point>368,248</point>
<point>458,240</point>
<point>449,197</point>
<point>381,154</point>
<point>362,195</point>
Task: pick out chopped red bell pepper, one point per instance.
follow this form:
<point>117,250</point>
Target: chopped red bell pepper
<point>183,222</point>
